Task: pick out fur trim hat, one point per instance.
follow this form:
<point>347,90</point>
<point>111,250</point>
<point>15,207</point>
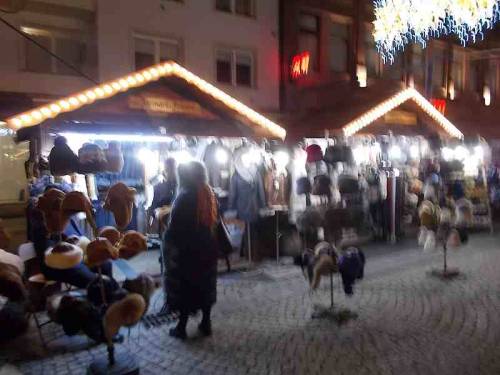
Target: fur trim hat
<point>125,312</point>
<point>309,221</point>
<point>62,160</point>
<point>120,201</point>
<point>99,251</point>
<point>111,233</point>
<point>75,202</point>
<point>92,159</point>
<point>50,205</point>
<point>114,157</point>
<point>132,244</point>
<point>324,248</point>
<point>63,256</point>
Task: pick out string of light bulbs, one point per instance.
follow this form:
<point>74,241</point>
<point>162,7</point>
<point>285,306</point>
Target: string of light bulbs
<point>400,22</point>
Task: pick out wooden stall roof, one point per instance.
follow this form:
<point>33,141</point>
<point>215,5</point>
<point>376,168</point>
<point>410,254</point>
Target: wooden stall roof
<point>368,110</point>
<point>163,99</point>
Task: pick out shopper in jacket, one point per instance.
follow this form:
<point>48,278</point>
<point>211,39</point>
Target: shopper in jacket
<point>191,250</point>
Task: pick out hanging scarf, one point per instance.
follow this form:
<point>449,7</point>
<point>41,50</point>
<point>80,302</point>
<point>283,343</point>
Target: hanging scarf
<point>207,207</point>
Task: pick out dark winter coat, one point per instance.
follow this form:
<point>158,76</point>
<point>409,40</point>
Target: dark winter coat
<point>247,198</point>
<point>191,257</point>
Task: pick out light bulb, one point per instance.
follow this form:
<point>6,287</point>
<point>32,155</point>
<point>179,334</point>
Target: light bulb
<point>221,156</point>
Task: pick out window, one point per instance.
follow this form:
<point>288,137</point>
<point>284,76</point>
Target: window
<point>241,7</point>
<point>395,70</point>
<point>373,60</point>
<point>309,38</point>
<point>418,64</point>
<point>151,50</point>
<point>457,70</point>
<point>339,47</point>
<point>65,45</point>
<point>438,78</point>
<point>235,67</point>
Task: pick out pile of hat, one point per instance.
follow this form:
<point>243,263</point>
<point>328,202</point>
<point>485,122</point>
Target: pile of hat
<point>91,158</point>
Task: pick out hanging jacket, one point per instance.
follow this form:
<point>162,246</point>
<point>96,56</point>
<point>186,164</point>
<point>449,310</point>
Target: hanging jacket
<point>351,268</point>
<point>247,197</point>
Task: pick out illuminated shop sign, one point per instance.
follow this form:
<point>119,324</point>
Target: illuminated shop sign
<point>439,104</point>
<point>300,65</point>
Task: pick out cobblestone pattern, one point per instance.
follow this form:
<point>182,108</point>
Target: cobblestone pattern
<point>409,323</point>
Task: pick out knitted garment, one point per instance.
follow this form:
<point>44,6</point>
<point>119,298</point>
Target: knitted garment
<point>207,207</point>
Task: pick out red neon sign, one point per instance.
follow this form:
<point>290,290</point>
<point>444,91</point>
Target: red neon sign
<point>300,65</point>
<point>439,104</point>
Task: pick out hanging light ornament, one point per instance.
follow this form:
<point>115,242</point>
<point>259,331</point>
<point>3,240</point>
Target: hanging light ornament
<point>400,22</point>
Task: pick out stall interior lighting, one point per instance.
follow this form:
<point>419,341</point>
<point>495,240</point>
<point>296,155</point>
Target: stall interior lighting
<point>136,138</point>
<point>136,79</point>
<point>380,110</point>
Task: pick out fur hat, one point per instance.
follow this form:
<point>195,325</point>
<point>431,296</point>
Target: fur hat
<point>314,153</point>
<point>323,248</point>
<point>453,240</point>
<point>9,258</point>
<point>125,312</point>
<point>62,160</point>
<point>303,186</point>
<point>339,154</point>
<point>75,202</point>
<point>325,265</point>
<point>132,244</point>
<point>63,256</point>
<point>78,315</point>
<point>112,291</point>
<point>92,159</point>
<point>114,157</point>
<point>11,283</point>
<point>416,186</point>
<point>322,185</point>
<point>309,221</point>
<point>120,201</point>
<point>143,285</point>
<point>99,251</point>
<point>50,205</point>
<point>111,233</point>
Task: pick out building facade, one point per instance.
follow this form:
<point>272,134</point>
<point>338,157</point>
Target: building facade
<point>231,43</point>
<point>336,36</point>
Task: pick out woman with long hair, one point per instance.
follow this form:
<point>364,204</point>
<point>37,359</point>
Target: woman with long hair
<point>191,250</point>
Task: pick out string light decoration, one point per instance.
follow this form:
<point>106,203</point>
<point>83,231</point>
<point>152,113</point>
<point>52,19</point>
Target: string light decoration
<point>400,22</point>
<point>140,78</point>
<point>388,105</point>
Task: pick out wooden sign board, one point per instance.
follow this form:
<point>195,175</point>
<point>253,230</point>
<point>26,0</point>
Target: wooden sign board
<point>399,117</point>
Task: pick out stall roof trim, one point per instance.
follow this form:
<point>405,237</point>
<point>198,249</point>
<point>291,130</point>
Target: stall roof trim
<point>394,101</point>
<point>137,79</point>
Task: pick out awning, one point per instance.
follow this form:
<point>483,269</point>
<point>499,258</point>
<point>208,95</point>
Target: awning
<point>163,99</point>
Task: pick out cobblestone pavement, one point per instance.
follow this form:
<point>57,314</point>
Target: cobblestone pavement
<point>408,323</point>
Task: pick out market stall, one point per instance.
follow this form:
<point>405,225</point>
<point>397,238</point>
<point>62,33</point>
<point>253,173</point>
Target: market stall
<point>375,153</point>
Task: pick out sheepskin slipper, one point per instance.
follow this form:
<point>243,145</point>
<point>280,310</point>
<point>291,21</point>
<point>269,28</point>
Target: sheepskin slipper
<point>63,256</point>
